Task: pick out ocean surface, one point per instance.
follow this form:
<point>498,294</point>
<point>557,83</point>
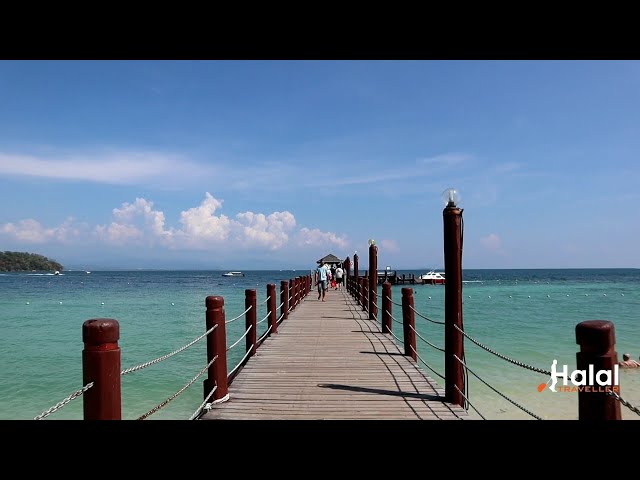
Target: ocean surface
<point>526,315</point>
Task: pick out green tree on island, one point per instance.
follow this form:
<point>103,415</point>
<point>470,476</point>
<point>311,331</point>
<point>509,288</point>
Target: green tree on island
<point>26,262</point>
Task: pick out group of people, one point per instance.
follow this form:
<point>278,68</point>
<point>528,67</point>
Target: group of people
<point>628,362</point>
<point>327,276</point>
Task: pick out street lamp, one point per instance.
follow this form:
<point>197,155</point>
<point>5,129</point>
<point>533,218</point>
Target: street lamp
<point>371,242</point>
<point>451,197</point>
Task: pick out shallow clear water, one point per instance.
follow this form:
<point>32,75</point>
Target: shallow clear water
<point>527,315</point>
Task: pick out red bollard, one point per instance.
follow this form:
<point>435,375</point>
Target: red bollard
<point>373,282</point>
<point>386,307</point>
<point>453,339</point>
<point>101,365</point>
<point>284,299</point>
<point>250,300</point>
<point>216,345</point>
<point>409,323</point>
<point>597,340</point>
<point>271,308</point>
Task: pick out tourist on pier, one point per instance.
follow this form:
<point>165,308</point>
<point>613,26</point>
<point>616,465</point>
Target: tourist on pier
<point>320,278</point>
<point>627,362</point>
<point>339,274</point>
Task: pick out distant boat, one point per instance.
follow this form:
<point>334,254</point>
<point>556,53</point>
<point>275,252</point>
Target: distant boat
<point>56,272</point>
<point>233,274</point>
<point>432,278</point>
<point>88,271</point>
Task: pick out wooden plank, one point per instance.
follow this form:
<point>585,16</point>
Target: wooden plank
<point>328,361</point>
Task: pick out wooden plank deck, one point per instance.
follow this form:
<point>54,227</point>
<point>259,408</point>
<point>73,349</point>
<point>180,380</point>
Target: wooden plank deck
<point>328,361</point>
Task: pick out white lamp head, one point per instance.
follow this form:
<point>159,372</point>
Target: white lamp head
<point>371,242</point>
<point>451,197</point>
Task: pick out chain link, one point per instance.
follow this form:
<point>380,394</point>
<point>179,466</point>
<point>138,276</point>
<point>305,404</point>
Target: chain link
<point>425,340</point>
<point>172,397</point>
<point>515,362</point>
<point>635,410</point>
<point>426,318</point>
<point>239,316</point>
<point>465,397</point>
<point>61,404</point>
<point>499,393</point>
<point>425,363</point>
<point>168,355</point>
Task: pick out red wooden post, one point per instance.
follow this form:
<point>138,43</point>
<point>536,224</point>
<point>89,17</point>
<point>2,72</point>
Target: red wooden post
<point>216,345</point>
<point>250,300</point>
<point>284,299</point>
<point>453,339</point>
<point>101,365</point>
<point>373,282</point>
<point>597,342</point>
<point>408,323</point>
<point>292,300</point>
<point>386,307</point>
<point>356,274</point>
<point>271,308</point>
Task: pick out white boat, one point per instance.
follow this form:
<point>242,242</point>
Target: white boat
<point>233,274</point>
<point>432,278</point>
<point>56,272</point>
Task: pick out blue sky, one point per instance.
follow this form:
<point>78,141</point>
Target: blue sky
<point>273,164</point>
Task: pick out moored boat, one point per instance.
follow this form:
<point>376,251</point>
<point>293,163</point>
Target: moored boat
<point>233,274</point>
<point>432,278</point>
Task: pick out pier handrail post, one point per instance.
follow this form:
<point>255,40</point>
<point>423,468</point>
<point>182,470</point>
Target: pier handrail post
<point>453,338</point>
<point>250,300</point>
<point>597,342</point>
<point>216,345</point>
<point>373,281</point>
<point>271,308</point>
<point>101,365</point>
<point>386,307</point>
<point>356,274</point>
<point>284,299</point>
<point>408,323</point>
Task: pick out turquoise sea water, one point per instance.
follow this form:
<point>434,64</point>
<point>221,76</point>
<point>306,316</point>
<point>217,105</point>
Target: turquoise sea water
<point>527,315</point>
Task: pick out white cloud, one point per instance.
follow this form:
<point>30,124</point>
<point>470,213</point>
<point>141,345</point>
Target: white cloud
<point>390,245</point>
<point>316,238</point>
<point>202,227</point>
<point>446,159</point>
<point>127,167</point>
<point>32,231</point>
<point>491,242</point>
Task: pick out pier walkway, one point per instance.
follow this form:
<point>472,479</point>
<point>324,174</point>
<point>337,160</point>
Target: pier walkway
<point>329,361</point>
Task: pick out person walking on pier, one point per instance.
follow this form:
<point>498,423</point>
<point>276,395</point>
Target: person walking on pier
<point>339,273</point>
<point>321,280</point>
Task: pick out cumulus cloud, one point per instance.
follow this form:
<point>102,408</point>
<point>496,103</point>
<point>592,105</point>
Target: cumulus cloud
<point>32,231</point>
<point>202,227</point>
<point>491,242</point>
<point>316,238</point>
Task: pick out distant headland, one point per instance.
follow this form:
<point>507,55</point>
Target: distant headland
<point>27,262</point>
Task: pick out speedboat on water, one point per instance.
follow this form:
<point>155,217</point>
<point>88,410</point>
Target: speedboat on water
<point>432,278</point>
<point>233,274</point>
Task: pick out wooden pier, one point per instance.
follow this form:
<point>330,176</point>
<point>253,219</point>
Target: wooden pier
<point>329,361</point>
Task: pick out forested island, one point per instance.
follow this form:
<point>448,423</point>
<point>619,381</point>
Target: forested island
<point>26,262</point>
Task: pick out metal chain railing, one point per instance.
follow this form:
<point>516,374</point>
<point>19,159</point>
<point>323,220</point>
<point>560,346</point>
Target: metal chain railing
<point>425,363</point>
<point>426,318</point>
<point>263,336</point>
<point>503,357</point>
<point>238,341</point>
<point>395,303</point>
<point>635,410</point>
<point>62,403</point>
<point>172,397</point>
<point>468,402</point>
<point>240,362</point>
<point>168,355</point>
<point>239,316</point>
<point>498,392</point>
<point>203,404</point>
<point>265,317</point>
<point>425,340</point>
